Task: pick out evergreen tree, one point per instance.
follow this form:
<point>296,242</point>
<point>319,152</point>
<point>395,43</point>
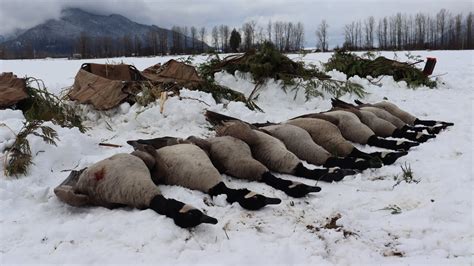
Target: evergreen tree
<point>235,40</point>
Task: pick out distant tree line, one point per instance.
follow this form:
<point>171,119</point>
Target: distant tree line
<point>410,32</point>
<point>400,31</point>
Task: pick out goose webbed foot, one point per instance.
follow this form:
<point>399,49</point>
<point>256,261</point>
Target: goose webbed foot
<point>291,188</point>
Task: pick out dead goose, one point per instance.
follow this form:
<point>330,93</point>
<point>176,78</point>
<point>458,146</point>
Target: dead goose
<point>323,133</point>
<point>188,166</point>
<point>405,116</point>
<point>381,127</point>
<point>124,180</point>
<point>233,157</point>
<point>354,130</point>
<point>273,154</point>
<point>299,142</point>
<point>330,138</point>
<point>382,122</point>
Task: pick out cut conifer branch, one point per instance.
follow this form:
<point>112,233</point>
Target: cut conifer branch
<point>269,63</point>
<point>18,157</point>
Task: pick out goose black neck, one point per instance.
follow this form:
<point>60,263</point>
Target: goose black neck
<point>429,123</point>
<point>408,128</point>
<point>164,206</point>
<point>415,136</point>
<point>356,153</point>
<point>346,163</point>
<point>382,143</point>
<point>275,182</point>
<point>233,195</point>
<point>315,174</point>
<point>352,163</point>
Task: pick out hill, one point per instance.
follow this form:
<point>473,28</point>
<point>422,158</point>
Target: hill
<point>92,35</point>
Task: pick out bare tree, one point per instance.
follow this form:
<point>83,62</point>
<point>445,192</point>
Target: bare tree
<point>458,34</point>
<point>215,37</point>
<point>358,35</point>
<point>321,34</point>
<point>84,45</point>
<point>369,25</point>
<point>349,36</point>
<point>202,37</point>
<point>441,26</point>
<point>153,41</point>
<point>163,41</point>
<point>193,38</point>
<point>224,37</point>
<point>420,30</point>
<point>177,40</point>
<point>269,31</point>
<point>185,32</point>
<point>469,32</point>
<point>299,36</point>
<point>249,34</point>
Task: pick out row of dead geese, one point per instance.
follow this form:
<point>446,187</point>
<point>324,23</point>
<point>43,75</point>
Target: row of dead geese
<point>251,152</point>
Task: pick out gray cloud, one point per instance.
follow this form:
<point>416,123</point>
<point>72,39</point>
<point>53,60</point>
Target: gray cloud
<point>166,13</point>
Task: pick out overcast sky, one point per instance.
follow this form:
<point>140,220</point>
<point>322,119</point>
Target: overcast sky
<point>166,13</point>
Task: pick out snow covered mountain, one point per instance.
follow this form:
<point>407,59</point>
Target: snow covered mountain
<point>59,37</point>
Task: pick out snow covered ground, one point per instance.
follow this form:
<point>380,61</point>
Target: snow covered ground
<point>434,226</point>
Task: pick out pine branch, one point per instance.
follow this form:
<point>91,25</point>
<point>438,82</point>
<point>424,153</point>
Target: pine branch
<point>18,157</point>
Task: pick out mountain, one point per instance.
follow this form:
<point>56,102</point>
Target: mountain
<point>78,31</point>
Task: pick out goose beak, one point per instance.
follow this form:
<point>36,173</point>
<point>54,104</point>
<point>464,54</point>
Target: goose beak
<point>447,124</point>
<point>208,219</point>
<point>310,189</point>
<point>269,201</point>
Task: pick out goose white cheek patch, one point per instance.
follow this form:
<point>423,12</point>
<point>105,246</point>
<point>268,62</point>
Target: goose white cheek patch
<point>399,142</point>
<point>419,135</point>
<point>250,194</point>
<point>332,170</point>
<point>294,184</point>
<point>359,160</point>
<point>383,154</point>
<point>186,208</point>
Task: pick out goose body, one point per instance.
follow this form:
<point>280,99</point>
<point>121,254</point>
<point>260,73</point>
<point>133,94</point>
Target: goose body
<point>233,157</point>
<point>185,165</point>
<point>351,127</point>
<point>273,153</point>
<point>379,126</point>
<point>407,117</point>
<point>396,111</point>
<point>325,134</point>
<point>299,142</point>
<point>125,180</point>
<point>106,184</point>
<point>381,113</point>
<point>381,122</point>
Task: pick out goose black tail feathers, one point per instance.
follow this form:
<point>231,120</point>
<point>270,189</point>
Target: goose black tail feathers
<point>358,102</point>
<point>156,143</point>
<point>217,118</point>
<point>339,103</point>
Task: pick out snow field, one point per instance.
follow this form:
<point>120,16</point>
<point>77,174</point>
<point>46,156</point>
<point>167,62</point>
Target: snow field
<point>434,226</point>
